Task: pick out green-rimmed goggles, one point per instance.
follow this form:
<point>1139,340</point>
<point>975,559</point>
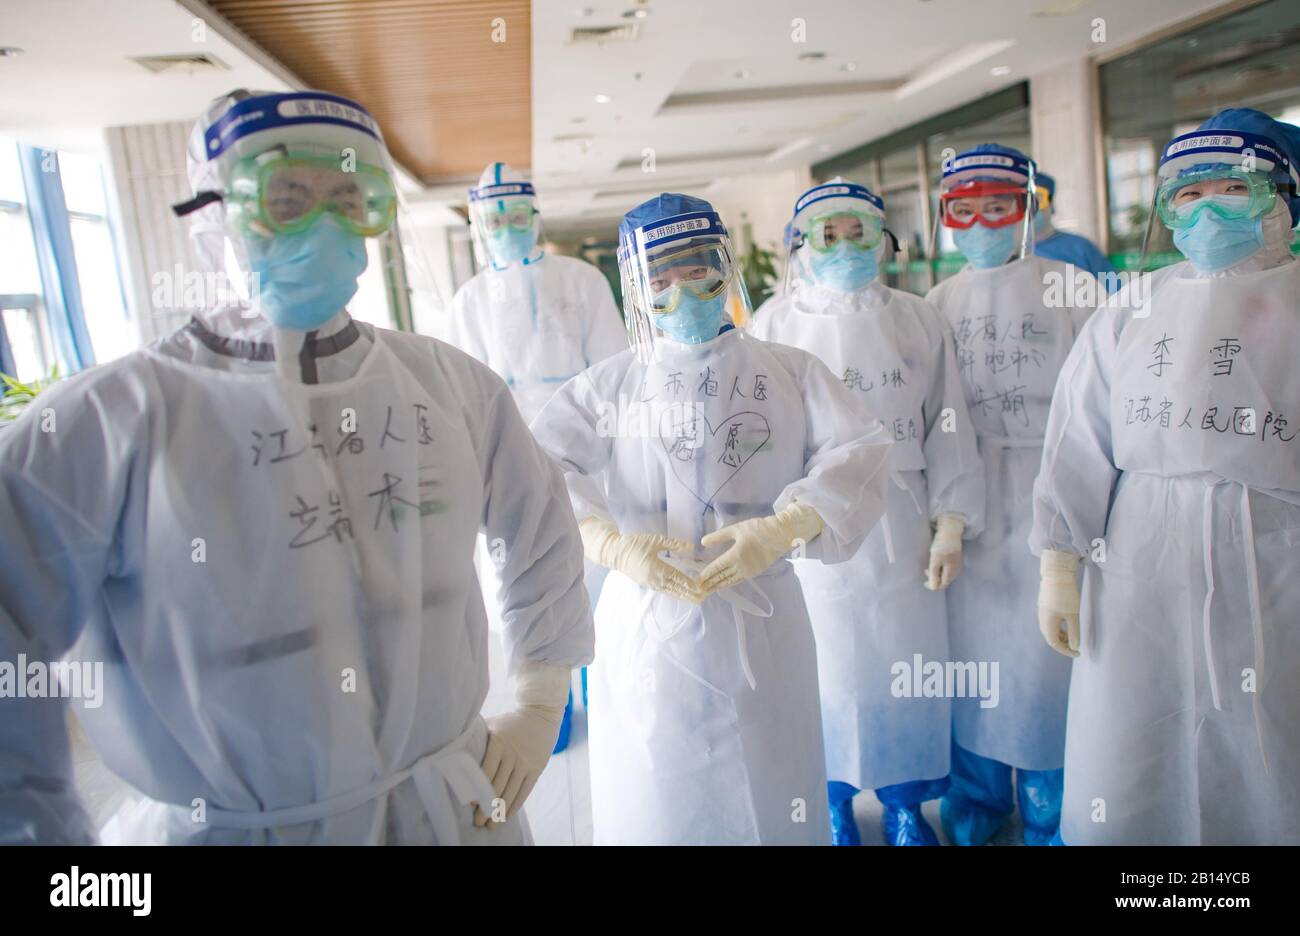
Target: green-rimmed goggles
<point>515,215</point>
<point>701,270</point>
<point>824,232</point>
<point>1181,200</point>
<point>281,192</point>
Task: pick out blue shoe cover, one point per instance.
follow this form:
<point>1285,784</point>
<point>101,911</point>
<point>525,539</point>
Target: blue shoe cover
<point>905,825</point>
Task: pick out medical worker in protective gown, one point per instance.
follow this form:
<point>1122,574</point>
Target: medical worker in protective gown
<point>695,463</point>
<point>1171,465</point>
<point>1069,248</point>
<point>263,525</point>
<point>534,317</point>
<point>1014,317</point>
<point>880,618</point>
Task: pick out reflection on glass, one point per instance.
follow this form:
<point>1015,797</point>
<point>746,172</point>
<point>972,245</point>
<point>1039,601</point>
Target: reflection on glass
<point>1248,59</point>
<point>26,346</point>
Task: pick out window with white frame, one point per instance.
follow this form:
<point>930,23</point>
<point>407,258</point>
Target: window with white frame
<point>103,306</point>
<point>20,276</point>
<point>55,234</point>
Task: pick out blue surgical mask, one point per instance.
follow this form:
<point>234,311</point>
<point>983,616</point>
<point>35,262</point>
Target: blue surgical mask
<point>987,247</point>
<point>1213,243</point>
<point>304,279</point>
<point>845,267</point>
<point>694,321</point>
<point>510,245</point>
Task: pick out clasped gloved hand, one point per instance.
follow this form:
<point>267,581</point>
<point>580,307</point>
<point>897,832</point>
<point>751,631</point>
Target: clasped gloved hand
<point>520,742</point>
<point>1058,601</point>
<point>945,552</point>
<point>636,555</point>
<point>756,544</point>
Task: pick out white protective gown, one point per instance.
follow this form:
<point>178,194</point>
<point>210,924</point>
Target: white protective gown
<point>894,353</point>
<point>538,324</point>
<point>683,750</point>
<point>283,599</point>
<point>1010,345</point>
<point>1172,442</point>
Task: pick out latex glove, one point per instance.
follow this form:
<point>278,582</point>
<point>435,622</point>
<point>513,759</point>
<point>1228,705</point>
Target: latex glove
<point>945,552</point>
<point>756,544</point>
<point>1058,601</point>
<point>520,742</point>
<point>636,555</point>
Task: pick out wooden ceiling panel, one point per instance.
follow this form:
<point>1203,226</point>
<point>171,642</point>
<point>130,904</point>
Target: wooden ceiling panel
<point>448,97</point>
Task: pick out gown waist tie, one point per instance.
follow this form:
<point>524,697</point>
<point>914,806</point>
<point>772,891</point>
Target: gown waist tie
<point>438,776</point>
<point>1252,588</point>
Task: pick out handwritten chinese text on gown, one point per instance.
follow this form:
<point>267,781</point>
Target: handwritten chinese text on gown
<point>894,353</point>
<point>1187,419</point>
<point>325,552</point>
<point>682,749</point>
<point>1010,346</point>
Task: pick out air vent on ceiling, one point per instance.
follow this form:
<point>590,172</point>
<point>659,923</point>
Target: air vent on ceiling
<point>688,159</point>
<point>187,62</point>
<point>599,35</point>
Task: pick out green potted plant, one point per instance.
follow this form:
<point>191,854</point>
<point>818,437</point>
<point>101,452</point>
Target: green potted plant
<point>18,395</point>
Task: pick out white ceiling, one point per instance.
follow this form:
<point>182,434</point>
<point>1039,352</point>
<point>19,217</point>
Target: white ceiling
<point>923,56</point>
<point>683,87</point>
<point>76,77</point>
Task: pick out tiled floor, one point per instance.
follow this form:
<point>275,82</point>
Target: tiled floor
<point>559,809</point>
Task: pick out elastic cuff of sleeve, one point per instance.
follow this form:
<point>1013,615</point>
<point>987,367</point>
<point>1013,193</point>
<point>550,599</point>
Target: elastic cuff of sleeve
<point>1058,565</point>
<point>543,685</point>
<point>948,530</point>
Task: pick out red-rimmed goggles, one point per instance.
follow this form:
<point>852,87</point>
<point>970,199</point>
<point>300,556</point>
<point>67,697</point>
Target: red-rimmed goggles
<point>994,204</point>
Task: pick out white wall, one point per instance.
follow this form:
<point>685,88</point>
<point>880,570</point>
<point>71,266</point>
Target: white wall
<point>764,200</point>
<point>147,169</point>
<point>1062,119</point>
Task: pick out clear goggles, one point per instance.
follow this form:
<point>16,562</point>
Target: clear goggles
<point>1230,192</point>
<point>701,270</point>
<point>283,192</point>
<point>495,217</point>
<point>861,229</point>
<point>993,204</point>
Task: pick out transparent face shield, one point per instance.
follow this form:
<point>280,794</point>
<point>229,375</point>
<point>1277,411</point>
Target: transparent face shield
<point>680,289</point>
<point>986,214</point>
<point>837,237</point>
<point>269,189</point>
<point>1225,191</point>
<point>1213,192</point>
<point>842,244</point>
<point>506,230</point>
<point>796,272</point>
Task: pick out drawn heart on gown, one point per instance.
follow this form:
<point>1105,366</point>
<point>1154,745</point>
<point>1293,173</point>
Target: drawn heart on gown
<point>753,431</point>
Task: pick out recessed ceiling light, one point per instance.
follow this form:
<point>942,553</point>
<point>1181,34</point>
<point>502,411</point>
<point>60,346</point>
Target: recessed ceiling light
<point>1000,70</point>
<point>849,66</point>
<point>742,74</point>
<point>602,99</point>
<point>812,56</point>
